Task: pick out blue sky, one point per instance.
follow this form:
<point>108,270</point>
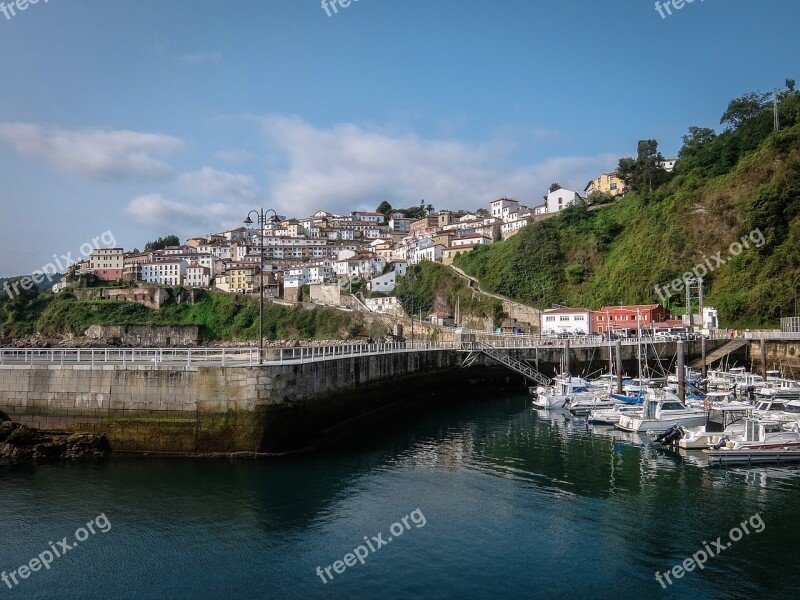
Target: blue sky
<point>147,118</point>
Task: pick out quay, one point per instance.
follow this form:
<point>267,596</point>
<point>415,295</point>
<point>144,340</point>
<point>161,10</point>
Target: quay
<point>206,401</point>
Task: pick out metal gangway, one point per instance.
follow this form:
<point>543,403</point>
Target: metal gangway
<point>524,369</point>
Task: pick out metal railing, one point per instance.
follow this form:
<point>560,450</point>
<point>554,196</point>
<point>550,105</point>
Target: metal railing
<point>226,357</point>
<point>248,357</point>
<point>771,335</point>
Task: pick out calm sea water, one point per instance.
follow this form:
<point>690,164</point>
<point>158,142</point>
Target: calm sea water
<point>516,504</point>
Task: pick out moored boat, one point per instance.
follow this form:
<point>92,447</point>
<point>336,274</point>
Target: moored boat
<point>660,415</point>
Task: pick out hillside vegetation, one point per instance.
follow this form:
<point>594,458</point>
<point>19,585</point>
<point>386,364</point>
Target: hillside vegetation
<point>742,182</point>
<point>219,316</point>
<point>429,287</point>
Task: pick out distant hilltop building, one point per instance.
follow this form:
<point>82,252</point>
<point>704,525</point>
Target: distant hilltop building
<point>607,183</point>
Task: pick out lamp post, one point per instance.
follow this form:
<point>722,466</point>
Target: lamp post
<point>261,219</point>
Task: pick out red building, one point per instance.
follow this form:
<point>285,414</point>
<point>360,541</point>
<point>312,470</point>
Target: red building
<point>628,320</point>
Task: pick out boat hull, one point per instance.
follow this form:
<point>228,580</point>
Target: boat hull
<point>733,457</point>
<point>659,426</point>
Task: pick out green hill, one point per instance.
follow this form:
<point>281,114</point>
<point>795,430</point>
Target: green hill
<point>741,184</point>
<point>219,317</point>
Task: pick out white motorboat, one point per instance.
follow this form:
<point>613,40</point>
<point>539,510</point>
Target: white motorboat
<point>780,389</point>
<point>690,375</point>
<point>720,380</point>
<point>581,407</point>
<point>565,389</point>
<point>775,410</point>
<point>764,440</point>
<point>726,420</point>
<point>611,416</point>
<point>660,415</point>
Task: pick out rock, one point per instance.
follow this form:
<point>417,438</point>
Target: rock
<point>19,442</point>
<point>7,428</point>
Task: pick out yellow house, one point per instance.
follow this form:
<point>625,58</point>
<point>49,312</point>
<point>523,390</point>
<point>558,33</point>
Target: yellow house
<point>242,279</point>
<point>608,183</point>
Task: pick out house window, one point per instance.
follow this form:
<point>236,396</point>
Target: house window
<point>563,319</point>
<point>549,319</point>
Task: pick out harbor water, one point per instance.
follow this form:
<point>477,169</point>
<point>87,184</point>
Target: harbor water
<point>481,498</point>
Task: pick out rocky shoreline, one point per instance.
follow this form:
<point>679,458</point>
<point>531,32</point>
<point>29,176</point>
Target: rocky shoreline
<point>19,442</point>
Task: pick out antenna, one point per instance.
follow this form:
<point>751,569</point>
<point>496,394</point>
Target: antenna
<point>775,109</point>
<point>694,297</point>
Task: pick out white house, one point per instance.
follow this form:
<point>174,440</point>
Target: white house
<point>388,281</point>
<point>384,283</point>
<point>320,272</point>
<point>369,217</point>
<point>473,239</point>
<point>198,276</point>
<point>669,164</point>
<point>500,208</point>
<point>400,223</point>
<point>425,249</point>
<point>168,272</point>
<point>512,226</point>
<point>567,320</point>
<point>560,199</point>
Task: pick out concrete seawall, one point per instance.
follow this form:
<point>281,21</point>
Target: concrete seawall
<point>218,409</point>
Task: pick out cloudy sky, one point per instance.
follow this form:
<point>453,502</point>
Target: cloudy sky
<point>154,117</point>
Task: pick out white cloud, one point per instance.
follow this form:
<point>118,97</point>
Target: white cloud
<point>161,214</point>
<point>210,183</point>
<point>347,166</point>
<point>94,153</point>
<point>234,156</point>
<point>202,58</point>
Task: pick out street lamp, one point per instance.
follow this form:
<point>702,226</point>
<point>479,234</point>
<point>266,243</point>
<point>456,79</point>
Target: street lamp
<point>261,219</point>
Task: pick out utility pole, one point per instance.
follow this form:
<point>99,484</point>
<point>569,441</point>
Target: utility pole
<point>775,109</point>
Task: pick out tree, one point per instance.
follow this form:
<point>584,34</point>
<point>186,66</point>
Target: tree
<point>162,242</point>
<point>790,83</point>
<point>415,212</point>
<point>696,139</point>
<point>429,208</point>
<point>554,187</point>
<point>646,171</point>
<point>742,109</point>
<point>385,208</point>
<point>597,198</point>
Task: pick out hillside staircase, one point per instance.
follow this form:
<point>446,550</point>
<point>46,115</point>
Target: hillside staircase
<point>504,359</point>
<point>720,353</point>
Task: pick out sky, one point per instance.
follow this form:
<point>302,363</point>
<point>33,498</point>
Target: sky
<point>148,118</point>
